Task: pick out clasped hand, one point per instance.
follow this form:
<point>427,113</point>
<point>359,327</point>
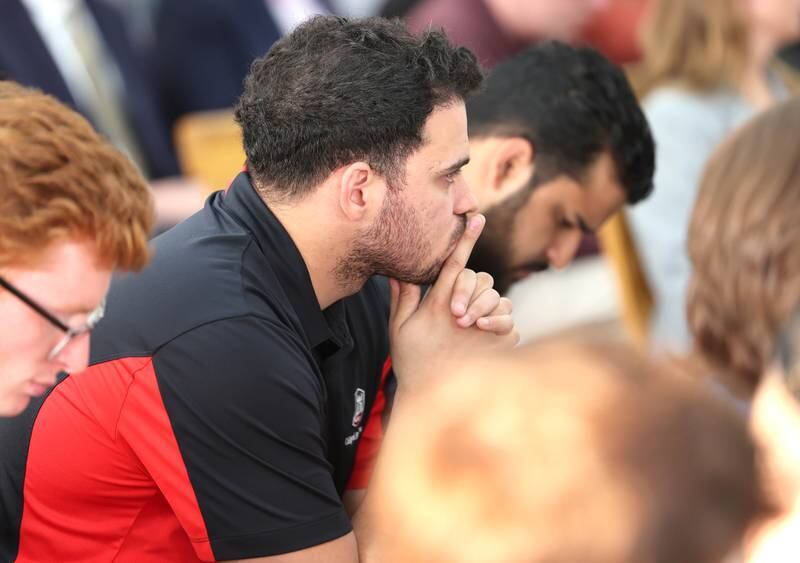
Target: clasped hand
<point>460,316</point>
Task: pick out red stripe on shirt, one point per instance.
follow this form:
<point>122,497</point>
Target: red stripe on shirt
<point>105,479</point>
<point>370,442</point>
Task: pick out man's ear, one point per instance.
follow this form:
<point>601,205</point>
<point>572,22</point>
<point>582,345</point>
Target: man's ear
<point>359,190</point>
<point>512,165</point>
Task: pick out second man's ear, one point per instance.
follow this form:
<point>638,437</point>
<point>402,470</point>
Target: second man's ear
<point>512,166</point>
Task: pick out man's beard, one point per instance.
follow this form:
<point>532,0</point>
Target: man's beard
<point>395,246</point>
<point>492,252</point>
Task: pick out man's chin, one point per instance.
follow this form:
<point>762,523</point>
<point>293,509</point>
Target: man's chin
<point>420,279</point>
<point>427,277</point>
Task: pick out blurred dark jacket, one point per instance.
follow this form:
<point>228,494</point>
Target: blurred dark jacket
<point>24,58</point>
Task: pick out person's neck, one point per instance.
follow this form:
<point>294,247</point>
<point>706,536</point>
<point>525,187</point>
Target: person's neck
<point>754,80</point>
<point>315,236</point>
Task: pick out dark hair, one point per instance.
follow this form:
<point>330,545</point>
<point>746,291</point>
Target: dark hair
<point>337,90</point>
<point>571,103</point>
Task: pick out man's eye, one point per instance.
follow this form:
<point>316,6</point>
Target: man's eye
<point>450,178</point>
<point>567,224</point>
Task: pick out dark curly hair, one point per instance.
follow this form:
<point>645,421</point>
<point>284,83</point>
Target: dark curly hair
<point>571,103</point>
<point>337,90</point>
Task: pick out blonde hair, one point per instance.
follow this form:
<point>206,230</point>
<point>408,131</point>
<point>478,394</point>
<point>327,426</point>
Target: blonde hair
<point>744,246</point>
<point>60,180</point>
<point>696,44</point>
<point>566,451</point>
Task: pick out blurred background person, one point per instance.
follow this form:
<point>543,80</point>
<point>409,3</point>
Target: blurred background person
<point>79,52</point>
<point>73,209</point>
<point>743,300</point>
<point>744,248</point>
<point>707,67</point>
<point>614,30</point>
<point>396,8</point>
<point>567,451</point>
<point>203,49</point>
<point>558,144</point>
<point>608,25</point>
<point>497,29</point>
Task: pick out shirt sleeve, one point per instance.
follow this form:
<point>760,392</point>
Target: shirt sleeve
<point>239,452</point>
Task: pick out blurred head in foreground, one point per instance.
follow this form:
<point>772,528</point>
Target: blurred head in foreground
<point>73,209</point>
<point>568,452</point>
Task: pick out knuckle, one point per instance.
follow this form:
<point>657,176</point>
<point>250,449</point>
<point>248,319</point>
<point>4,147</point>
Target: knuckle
<point>486,279</point>
<point>507,325</point>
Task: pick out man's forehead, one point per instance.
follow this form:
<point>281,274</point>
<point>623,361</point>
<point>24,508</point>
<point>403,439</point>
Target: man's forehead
<point>444,137</point>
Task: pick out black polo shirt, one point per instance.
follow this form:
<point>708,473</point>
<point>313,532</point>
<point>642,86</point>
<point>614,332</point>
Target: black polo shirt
<point>223,414</point>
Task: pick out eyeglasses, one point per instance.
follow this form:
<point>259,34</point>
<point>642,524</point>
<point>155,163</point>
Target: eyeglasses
<point>69,332</point>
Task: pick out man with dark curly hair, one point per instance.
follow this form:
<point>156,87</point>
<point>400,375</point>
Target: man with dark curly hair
<point>234,399</point>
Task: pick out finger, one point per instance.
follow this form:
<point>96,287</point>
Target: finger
<point>505,307</point>
<point>482,306</point>
<point>507,341</point>
<point>483,282</point>
<point>442,289</point>
<point>405,300</point>
<point>497,324</point>
<point>463,292</point>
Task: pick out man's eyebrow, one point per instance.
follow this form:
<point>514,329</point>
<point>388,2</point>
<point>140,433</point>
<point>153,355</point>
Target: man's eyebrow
<point>586,229</point>
<point>453,168</point>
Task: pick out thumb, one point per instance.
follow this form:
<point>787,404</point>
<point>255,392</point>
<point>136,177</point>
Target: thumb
<point>405,301</point>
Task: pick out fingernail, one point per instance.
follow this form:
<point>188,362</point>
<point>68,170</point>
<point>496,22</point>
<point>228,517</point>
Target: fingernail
<point>466,320</point>
<point>483,322</point>
<point>459,308</point>
<point>476,222</point>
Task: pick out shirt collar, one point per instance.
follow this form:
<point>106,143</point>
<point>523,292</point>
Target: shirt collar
<point>242,200</point>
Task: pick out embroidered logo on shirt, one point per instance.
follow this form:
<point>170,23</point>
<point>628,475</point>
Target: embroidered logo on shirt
<point>353,438</point>
<point>361,403</point>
